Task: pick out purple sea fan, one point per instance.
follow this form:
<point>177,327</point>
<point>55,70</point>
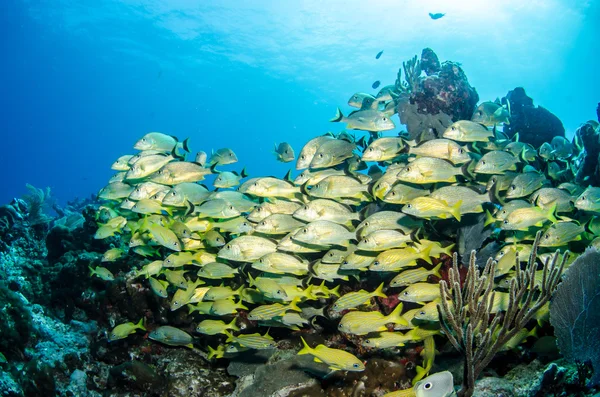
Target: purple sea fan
<point>575,312</point>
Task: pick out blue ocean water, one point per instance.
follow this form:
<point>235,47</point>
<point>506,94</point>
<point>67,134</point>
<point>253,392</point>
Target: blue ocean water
<point>82,80</point>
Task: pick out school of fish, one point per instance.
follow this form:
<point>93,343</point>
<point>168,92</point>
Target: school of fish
<point>361,221</point>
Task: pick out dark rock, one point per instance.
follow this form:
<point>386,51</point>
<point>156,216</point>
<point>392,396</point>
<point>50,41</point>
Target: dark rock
<point>587,170</point>
<point>15,324</point>
<point>136,376</point>
<point>535,125</point>
<point>189,375</point>
<point>430,63</point>
<point>38,379</point>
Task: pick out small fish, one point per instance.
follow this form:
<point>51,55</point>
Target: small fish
<point>326,210</point>
<point>468,131</point>
<point>184,296</point>
<point>324,233</point>
<point>382,149</point>
<point>545,151</point>
<point>215,327</point>
<point>547,196</point>
<point>445,149</point>
<point>201,158</point>
<point>525,184</point>
<point>281,263</point>
<point>217,271</point>
<point>432,208</point>
<point>386,93</point>
<point>490,113</point>
<point>337,360</point>
<point>496,162</point>
<point>270,187</point>
<point>112,254</point>
<point>159,141</point>
<point>562,149</point>
<point>122,163</point>
<point>221,292</point>
<point>332,153</point>
<point>223,307</point>
<point>362,323</point>
<point>247,249</point>
<point>284,152</point>
<point>366,120</point>
<point>561,233</point>
<point>253,341</point>
<point>362,100</point>
<point>436,15</point>
<point>420,293</point>
<point>218,209</point>
<point>376,84</point>
<point>308,151</point>
<point>172,336</point>
<point>115,191</point>
<point>524,218</point>
<point>589,200</point>
<point>403,192</point>
<point>385,340</point>
<point>227,179</point>
<point>102,273</point>
<point>222,156</point>
<point>122,331</point>
<point>341,186</point>
<point>175,277</point>
<point>429,170</point>
<point>159,287</point>
<point>378,56</point>
<point>413,276</point>
<point>353,299</point>
<point>381,240</point>
<point>440,384</point>
<point>267,312</point>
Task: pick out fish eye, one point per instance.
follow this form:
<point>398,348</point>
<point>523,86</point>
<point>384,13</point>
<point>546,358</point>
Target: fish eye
<point>340,326</point>
<point>506,221</point>
<point>175,243</point>
<point>230,154</point>
<point>355,365</point>
<point>371,149</point>
<point>173,193</point>
<point>405,293</point>
<point>304,230</point>
<point>408,169</point>
<point>176,303</point>
<point>460,151</point>
<point>143,139</point>
<point>513,187</point>
<point>320,155</point>
<point>428,386</point>
<point>278,292</point>
<point>408,205</point>
<point>422,312</point>
<point>582,198</point>
<point>453,128</point>
<point>482,162</point>
<point>343,263</point>
<point>231,207</point>
<point>376,263</point>
<point>368,341</point>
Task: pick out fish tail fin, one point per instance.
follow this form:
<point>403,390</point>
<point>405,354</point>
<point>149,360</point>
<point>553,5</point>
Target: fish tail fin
<point>533,332</point>
<point>335,291</point>
<point>551,213</point>
<point>189,208</point>
<point>212,353</point>
<point>338,116</point>
<point>229,336</point>
<point>489,219</point>
<point>232,325</point>
<point>140,324</point>
<point>455,210</point>
<point>294,304</point>
<point>426,254</point>
<point>465,171</point>
<point>421,373</point>
<point>244,173</point>
<point>241,305</point>
<point>396,315</point>
<point>379,292</point>
<point>306,349</point>
<point>92,271</point>
<point>186,144</point>
<point>436,270</point>
<point>493,194</point>
<point>251,280</point>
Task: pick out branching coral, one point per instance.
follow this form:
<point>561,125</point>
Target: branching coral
<point>466,312</point>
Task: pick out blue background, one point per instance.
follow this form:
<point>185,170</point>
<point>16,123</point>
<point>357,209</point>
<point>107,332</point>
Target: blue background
<point>81,81</point>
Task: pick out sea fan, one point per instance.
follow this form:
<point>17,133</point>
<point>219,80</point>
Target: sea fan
<point>575,312</point>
